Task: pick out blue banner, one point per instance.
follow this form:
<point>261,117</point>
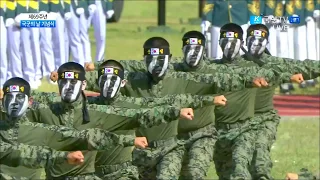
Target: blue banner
<point>37,23</point>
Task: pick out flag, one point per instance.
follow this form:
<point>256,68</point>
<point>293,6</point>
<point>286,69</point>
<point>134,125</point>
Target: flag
<point>154,51</point>
<point>69,75</point>
<point>230,34</point>
<point>193,41</point>
<point>14,88</point>
<point>257,33</point>
<point>108,70</point>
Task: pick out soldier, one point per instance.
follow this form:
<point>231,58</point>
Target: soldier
<point>230,146</point>
<point>223,12</point>
<point>257,40</point>
<point>48,62</point>
<point>3,49</point>
<point>58,35</point>
<point>15,104</point>
<point>104,11</point>
<point>78,114</point>
<point>73,30</point>
<point>118,162</point>
<point>13,32</point>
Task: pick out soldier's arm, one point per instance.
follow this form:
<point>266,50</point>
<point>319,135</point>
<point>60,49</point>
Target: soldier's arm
<point>91,77</point>
<point>306,175</point>
<point>133,65</point>
<point>29,156</point>
<point>96,139</point>
<point>45,97</point>
<point>310,69</point>
<point>143,117</point>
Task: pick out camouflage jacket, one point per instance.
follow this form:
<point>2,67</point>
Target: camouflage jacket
<point>59,137</point>
<point>71,115</point>
<point>306,175</point>
<point>45,97</point>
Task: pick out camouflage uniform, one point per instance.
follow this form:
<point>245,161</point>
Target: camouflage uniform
<point>71,115</point>
<point>267,116</point>
<point>117,162</point>
<point>236,126</point>
<point>163,159</point>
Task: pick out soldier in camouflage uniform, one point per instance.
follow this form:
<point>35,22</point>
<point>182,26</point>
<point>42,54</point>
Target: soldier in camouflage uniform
<point>13,120</point>
<point>111,164</point>
<point>257,41</point>
<point>73,111</point>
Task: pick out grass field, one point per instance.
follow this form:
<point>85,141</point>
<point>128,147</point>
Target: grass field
<point>297,145</point>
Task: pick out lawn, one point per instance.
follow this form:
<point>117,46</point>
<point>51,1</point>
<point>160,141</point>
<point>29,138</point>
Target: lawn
<point>297,145</point>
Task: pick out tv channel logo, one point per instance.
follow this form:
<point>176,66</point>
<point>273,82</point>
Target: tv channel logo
<point>294,19</point>
<point>255,19</point>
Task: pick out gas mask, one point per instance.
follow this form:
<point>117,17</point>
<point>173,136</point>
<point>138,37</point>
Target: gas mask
<point>157,64</point>
<point>70,89</point>
<point>15,104</point>
<point>257,43</point>
<point>193,54</point>
<point>110,81</point>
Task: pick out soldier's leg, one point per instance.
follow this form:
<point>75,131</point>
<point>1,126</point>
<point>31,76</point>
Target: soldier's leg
<point>272,46</point>
<point>73,28</point>
<point>35,47</point>
<point>216,51</point>
<point>147,173</point>
<point>47,57</point>
<point>242,154</point>
<point>27,58</point>
<point>290,50</point>
<point>84,36</point>
<point>169,166</point>
<point>222,158</point>
<point>300,44</point>
<point>58,40</point>
<point>317,24</point>
<point>244,28</point>
<point>200,154</point>
<point>266,136</point>
<point>99,24</point>
<point>282,43</point>
<point>3,53</point>
<point>14,55</point>
<point>311,40</point>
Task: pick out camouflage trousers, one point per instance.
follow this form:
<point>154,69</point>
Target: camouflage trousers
<point>7,177</point>
<point>234,149</point>
<point>124,171</point>
<point>199,147</point>
<point>266,135</point>
<point>160,161</point>
<point>89,176</point>
<point>19,172</point>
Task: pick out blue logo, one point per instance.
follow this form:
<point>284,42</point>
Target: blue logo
<point>294,19</point>
<point>38,23</point>
<point>255,20</point>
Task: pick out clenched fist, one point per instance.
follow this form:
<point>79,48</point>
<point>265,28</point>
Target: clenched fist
<point>141,142</point>
<point>1,93</point>
<point>75,158</point>
<point>297,78</point>
<point>89,66</point>
<point>186,113</point>
<point>54,76</point>
<point>291,176</point>
<point>220,100</point>
<point>260,82</point>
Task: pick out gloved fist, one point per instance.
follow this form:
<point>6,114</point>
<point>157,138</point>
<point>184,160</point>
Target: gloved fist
<point>292,176</point>
<point>54,76</point>
<point>316,14</point>
<point>10,22</point>
<point>141,142</point>
<point>220,100</point>
<point>1,94</point>
<point>297,78</point>
<point>89,66</point>
<point>92,8</point>
<point>17,20</point>
<point>80,11</point>
<point>75,158</point>
<point>186,113</point>
<point>109,14</point>
<point>67,16</point>
<point>260,82</point>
